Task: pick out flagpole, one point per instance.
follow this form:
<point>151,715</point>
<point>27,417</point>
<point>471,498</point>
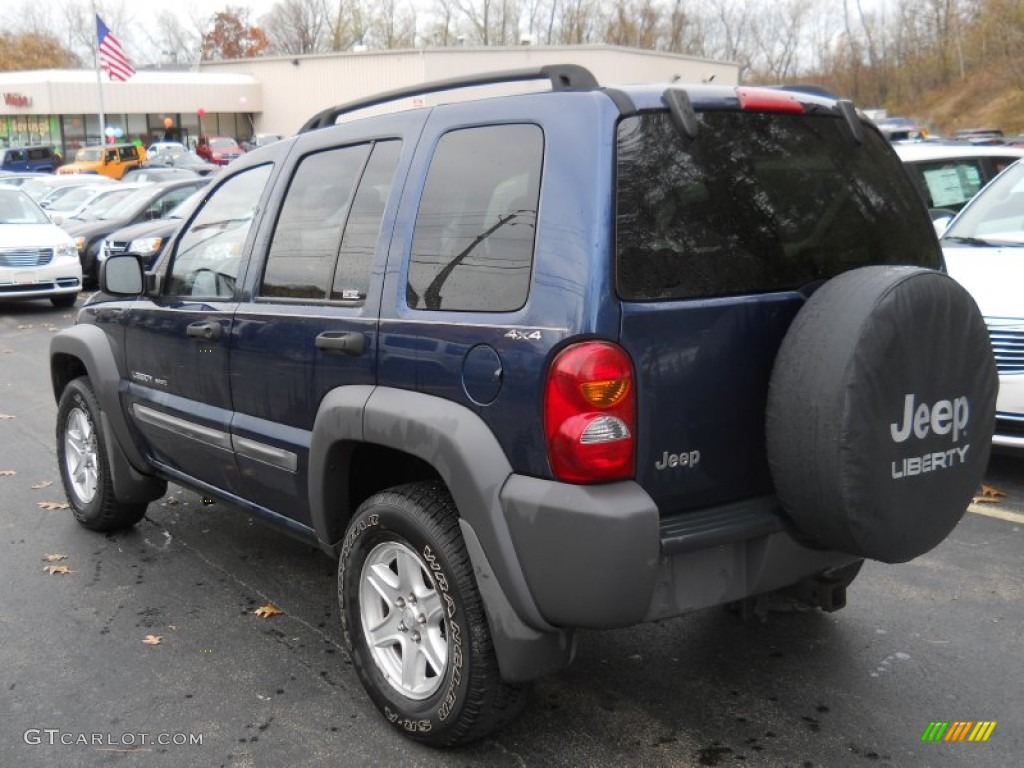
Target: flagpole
<point>99,80</point>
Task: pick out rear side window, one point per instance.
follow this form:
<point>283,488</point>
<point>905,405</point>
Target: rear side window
<point>758,202</point>
<point>472,246</point>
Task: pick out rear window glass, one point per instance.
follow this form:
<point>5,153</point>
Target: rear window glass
<point>758,202</point>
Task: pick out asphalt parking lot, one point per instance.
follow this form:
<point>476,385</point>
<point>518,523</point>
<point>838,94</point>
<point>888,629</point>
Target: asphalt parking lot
<point>939,639</point>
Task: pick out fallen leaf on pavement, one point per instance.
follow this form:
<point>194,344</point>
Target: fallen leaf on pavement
<point>153,639</point>
<point>989,495</point>
<point>6,416</point>
<point>25,327</point>
<point>51,505</point>
<point>7,473</point>
<point>57,569</point>
<point>268,610</point>
<point>44,484</point>
<point>54,557</point>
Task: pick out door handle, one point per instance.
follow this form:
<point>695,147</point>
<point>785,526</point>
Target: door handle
<point>350,343</point>
<point>208,330</point>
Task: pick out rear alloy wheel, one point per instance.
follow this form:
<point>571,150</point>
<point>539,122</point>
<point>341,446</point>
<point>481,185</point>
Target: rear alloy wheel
<point>84,468</point>
<point>414,622</point>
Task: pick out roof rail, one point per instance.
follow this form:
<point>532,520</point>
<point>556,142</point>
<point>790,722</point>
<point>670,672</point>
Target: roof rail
<point>563,77</point>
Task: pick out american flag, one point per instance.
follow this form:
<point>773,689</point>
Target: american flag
<point>112,58</point>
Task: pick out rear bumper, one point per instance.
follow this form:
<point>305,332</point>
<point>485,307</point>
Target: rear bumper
<point>601,556</point>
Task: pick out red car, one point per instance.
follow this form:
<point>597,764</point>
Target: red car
<point>219,150</point>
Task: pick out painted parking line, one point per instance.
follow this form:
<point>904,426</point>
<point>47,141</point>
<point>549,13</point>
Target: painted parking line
<point>990,510</point>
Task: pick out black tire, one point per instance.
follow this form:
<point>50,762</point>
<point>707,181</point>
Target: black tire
<point>465,699</point>
<point>64,300</point>
<point>85,470</point>
<point>880,412</point>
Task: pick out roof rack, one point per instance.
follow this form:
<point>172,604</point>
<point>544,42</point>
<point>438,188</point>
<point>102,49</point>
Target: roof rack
<point>563,77</point>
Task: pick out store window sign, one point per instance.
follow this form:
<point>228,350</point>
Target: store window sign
<point>17,100</point>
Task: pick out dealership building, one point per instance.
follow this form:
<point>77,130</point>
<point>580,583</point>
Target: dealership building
<point>243,97</point>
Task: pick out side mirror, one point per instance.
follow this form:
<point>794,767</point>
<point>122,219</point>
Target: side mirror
<point>122,275</point>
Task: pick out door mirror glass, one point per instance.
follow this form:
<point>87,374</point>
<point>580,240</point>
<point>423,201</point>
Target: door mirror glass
<point>121,275</point>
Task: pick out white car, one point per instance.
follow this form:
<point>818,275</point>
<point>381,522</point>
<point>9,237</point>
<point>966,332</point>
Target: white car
<point>984,251</point>
<point>949,175</point>
<point>38,259</point>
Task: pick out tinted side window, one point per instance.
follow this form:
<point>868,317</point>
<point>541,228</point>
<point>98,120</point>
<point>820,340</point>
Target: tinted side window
<point>209,254</point>
<point>473,241</point>
<point>302,255</point>
<point>355,260</point>
<point>39,154</point>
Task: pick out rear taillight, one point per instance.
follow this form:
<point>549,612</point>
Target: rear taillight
<point>768,100</point>
<point>590,413</point>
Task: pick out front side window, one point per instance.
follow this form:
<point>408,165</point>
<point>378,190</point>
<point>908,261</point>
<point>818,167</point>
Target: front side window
<point>473,242</point>
<point>209,254</point>
<point>758,202</point>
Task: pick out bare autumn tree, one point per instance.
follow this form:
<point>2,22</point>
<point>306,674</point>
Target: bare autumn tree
<point>492,22</point>
<point>299,26</point>
<point>175,40</point>
<point>32,50</point>
<point>633,23</point>
<point>232,36</point>
<point>390,26</point>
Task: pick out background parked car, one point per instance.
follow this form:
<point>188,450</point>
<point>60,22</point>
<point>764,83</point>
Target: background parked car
<point>260,140</point>
<point>949,175</point>
<point>159,174</point>
<point>219,150</point>
<point>149,201</point>
<point>17,179</point>
<point>174,155</point>
<point>40,159</point>
<point>85,196</point>
<point>984,252</point>
<point>45,189</point>
<point>38,260</point>
<point>108,160</point>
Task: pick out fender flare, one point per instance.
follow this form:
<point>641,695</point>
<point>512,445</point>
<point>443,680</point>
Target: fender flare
<point>132,475</point>
<point>462,449</point>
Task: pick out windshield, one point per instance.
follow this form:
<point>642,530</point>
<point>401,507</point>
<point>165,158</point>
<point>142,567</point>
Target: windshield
<point>99,207</point>
<point>72,199</point>
<point>758,202</point>
<point>18,208</point>
<point>88,155</point>
<point>223,144</point>
<point>129,206</point>
<point>996,215</point>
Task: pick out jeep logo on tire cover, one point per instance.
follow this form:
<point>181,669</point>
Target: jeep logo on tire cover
<point>946,417</point>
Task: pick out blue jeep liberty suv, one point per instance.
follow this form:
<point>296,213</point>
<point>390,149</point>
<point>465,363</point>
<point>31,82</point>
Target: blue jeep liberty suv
<point>570,359</point>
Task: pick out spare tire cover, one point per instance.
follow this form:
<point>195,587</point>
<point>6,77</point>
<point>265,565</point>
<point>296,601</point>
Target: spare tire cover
<point>880,412</point>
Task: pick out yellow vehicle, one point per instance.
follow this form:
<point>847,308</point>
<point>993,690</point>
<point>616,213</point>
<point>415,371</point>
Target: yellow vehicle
<point>109,160</point>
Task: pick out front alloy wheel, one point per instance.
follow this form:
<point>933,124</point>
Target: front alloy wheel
<point>80,455</point>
